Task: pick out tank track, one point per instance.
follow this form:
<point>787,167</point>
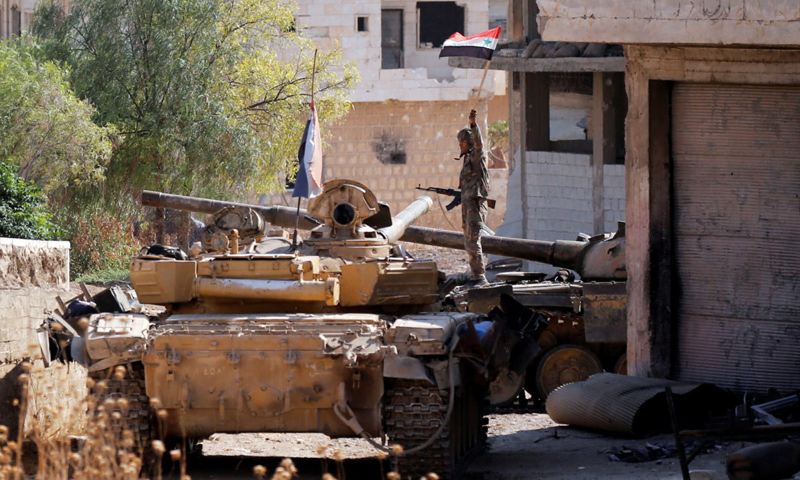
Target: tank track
<point>137,416</point>
<point>414,412</point>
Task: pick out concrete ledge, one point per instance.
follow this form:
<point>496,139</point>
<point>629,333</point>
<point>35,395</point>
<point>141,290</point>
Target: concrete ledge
<point>569,64</point>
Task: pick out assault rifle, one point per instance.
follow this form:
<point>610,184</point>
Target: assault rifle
<point>456,194</point>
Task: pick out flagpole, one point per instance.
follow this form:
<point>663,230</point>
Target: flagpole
<point>297,213</point>
<point>480,89</point>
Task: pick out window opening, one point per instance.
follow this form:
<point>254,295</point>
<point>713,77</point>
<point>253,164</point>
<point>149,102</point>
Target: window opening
<point>16,21</point>
<point>437,21</point>
<point>392,39</point>
<point>361,24</point>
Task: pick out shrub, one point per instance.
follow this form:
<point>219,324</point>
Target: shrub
<point>102,246</point>
<point>23,213</point>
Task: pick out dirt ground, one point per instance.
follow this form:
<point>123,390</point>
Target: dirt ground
<point>449,261</point>
<point>521,446</point>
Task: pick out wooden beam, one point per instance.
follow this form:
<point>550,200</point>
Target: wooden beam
<point>536,105</point>
<point>660,231</point>
<point>530,10</point>
<point>516,23</point>
<point>604,150</point>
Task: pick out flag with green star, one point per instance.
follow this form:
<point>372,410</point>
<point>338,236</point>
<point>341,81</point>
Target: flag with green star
<point>481,45</point>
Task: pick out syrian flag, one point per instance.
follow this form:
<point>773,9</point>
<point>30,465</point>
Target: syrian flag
<point>309,176</point>
<point>481,45</point>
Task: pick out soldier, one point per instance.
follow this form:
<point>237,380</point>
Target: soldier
<point>474,186</point>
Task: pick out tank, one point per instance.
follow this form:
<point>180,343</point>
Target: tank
<point>587,317</point>
<point>585,305</point>
<point>341,333</point>
<point>587,323</point>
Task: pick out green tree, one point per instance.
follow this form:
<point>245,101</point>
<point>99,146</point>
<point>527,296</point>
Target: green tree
<point>209,96</point>
<point>45,129</point>
<point>22,207</point>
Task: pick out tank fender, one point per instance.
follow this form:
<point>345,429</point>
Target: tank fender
<point>427,333</point>
<point>442,373</point>
<point>406,367</point>
<point>114,339</point>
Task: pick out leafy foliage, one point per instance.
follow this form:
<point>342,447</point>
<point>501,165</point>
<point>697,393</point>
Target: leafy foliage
<point>44,128</point>
<point>22,208</point>
<point>209,96</point>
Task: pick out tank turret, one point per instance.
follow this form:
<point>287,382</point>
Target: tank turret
<point>601,257</point>
<point>344,263</point>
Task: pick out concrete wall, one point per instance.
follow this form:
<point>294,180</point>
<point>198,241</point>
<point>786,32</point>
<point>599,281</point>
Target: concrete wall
<point>559,197</point>
<point>709,22</point>
<point>32,274</point>
<point>425,77</point>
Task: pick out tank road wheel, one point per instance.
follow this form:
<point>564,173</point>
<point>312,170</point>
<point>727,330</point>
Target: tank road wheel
<point>414,412</point>
<point>120,400</point>
<point>505,388</point>
<point>565,364</point>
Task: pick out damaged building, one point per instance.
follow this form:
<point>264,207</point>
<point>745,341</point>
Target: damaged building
<point>712,138</point>
<point>567,106</point>
<point>409,104</point>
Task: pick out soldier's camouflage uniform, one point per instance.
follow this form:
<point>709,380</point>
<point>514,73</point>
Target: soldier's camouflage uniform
<point>474,186</point>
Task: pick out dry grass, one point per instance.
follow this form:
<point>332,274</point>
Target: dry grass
<point>109,449</point>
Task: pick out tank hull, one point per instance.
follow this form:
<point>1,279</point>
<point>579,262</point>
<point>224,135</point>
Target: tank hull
<point>265,373</point>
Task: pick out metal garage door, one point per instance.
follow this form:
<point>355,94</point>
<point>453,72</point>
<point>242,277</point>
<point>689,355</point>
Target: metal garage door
<point>736,206</point>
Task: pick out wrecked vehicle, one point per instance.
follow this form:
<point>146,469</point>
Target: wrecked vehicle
<point>587,330</point>
<point>340,334</point>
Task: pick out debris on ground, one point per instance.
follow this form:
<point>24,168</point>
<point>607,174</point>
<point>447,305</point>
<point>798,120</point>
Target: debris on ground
<point>657,451</point>
<point>767,461</point>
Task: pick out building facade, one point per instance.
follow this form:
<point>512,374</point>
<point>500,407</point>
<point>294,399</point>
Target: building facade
<point>15,17</point>
<point>410,103</point>
<point>713,183</point>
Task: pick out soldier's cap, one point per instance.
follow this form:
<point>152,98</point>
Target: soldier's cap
<point>465,134</point>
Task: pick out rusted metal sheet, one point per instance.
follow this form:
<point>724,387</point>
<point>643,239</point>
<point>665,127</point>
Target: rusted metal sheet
<point>736,185</point>
<point>632,405</point>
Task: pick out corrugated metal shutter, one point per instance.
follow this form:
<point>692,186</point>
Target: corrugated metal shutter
<point>736,192</point>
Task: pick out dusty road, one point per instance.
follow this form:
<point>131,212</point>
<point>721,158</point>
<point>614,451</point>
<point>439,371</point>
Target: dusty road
<point>522,446</point>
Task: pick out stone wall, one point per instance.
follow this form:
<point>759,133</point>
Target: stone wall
<point>421,138</point>
<point>614,196</point>
<point>9,9</point>
<point>32,274</point>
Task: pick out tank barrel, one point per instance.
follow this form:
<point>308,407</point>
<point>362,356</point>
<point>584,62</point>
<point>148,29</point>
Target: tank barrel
<point>562,253</point>
<point>403,220</point>
<point>596,260</point>
<point>276,215</point>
